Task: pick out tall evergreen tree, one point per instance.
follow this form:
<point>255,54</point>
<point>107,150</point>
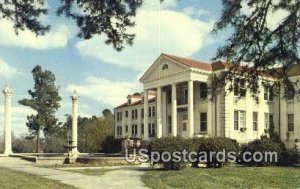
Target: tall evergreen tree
<point>45,101</point>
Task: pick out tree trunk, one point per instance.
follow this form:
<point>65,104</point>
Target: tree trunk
<point>38,141</point>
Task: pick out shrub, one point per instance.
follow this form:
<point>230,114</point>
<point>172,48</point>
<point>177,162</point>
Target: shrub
<point>169,145</point>
<point>215,151</point>
<point>263,146</point>
<point>111,145</point>
<point>289,157</point>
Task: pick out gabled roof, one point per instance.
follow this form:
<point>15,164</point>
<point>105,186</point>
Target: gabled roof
<point>139,102</point>
<point>190,62</point>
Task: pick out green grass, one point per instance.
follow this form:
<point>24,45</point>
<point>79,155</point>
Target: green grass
<point>92,172</point>
<point>18,180</point>
<point>228,177</point>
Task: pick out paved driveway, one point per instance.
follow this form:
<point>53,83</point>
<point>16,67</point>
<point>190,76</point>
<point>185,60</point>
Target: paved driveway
<point>121,178</point>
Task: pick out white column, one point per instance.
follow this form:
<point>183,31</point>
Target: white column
<point>164,114</point>
<point>7,120</point>
<point>191,108</point>
<point>74,123</point>
<point>174,110</point>
<point>158,112</point>
<point>210,112</point>
<point>146,115</point>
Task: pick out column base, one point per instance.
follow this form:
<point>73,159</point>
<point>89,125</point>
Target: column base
<point>74,153</point>
<point>7,153</point>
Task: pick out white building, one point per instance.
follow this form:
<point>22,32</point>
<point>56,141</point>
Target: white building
<point>177,101</point>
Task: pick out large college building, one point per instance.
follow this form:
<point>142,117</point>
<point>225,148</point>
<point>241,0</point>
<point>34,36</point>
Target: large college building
<point>176,101</point>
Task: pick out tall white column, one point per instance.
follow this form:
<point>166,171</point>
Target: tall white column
<point>158,112</point>
<point>146,115</point>
<point>191,108</point>
<point>174,110</point>
<point>164,114</point>
<point>74,124</point>
<point>7,120</point>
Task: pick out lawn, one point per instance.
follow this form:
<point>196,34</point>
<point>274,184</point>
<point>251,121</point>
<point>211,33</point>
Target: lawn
<point>18,180</point>
<point>229,177</point>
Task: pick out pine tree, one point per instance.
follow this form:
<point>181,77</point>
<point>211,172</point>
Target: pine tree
<point>45,101</point>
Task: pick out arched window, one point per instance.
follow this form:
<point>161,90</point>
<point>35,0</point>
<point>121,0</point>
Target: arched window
<point>165,67</point>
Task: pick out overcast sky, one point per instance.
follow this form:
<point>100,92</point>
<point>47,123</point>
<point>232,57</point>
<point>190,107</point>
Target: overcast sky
<point>102,76</point>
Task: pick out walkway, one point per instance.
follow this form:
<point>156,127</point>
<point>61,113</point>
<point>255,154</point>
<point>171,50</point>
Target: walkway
<point>121,178</point>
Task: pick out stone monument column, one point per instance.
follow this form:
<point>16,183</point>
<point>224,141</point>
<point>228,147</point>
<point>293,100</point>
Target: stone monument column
<point>7,120</point>
<point>74,124</point>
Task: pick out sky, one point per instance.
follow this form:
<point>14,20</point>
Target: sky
<point>103,77</point>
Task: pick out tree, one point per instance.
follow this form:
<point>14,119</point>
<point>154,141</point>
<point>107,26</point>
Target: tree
<point>93,17</point>
<point>109,117</point>
<point>254,41</point>
<point>45,101</point>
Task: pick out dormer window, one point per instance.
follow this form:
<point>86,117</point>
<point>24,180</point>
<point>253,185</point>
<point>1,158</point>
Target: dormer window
<point>165,67</point>
<point>129,101</point>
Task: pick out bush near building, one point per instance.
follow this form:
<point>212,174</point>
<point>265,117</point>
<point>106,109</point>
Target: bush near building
<point>263,145</point>
<point>111,145</point>
<point>221,146</point>
<point>178,144</point>
<point>169,145</point>
<point>285,157</point>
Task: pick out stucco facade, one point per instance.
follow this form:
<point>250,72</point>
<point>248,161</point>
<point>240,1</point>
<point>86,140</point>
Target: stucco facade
<point>177,101</point>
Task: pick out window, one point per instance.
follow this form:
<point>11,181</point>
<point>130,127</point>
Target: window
<point>151,129</point>
<point>126,113</point>
<point>290,122</point>
<point>203,90</point>
<point>119,116</point>
<point>132,114</point>
<point>239,88</point>
<point>165,67</point>
<point>184,95</point>
<point>184,126</point>
<point>236,88</point>
<point>268,93</point>
<point>136,114</point>
<point>169,96</point>
<point>134,130</point>
<point>142,129</point>
<point>149,112</point>
<point>290,95</point>
<point>142,112</point>
<point>203,122</point>
<point>184,122</point>
<point>169,124</point>
<point>255,120</point>
<point>236,120</point>
<point>269,121</point>
<point>153,111</point>
<point>126,128</point>
<point>119,130</point>
<point>239,119</point>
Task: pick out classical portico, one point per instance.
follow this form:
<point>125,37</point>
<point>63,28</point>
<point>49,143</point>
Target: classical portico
<point>174,83</point>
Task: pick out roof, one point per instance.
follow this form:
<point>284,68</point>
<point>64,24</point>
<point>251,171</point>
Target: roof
<point>191,63</point>
<point>139,102</point>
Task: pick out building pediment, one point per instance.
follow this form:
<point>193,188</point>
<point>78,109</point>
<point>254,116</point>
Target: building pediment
<point>162,68</point>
